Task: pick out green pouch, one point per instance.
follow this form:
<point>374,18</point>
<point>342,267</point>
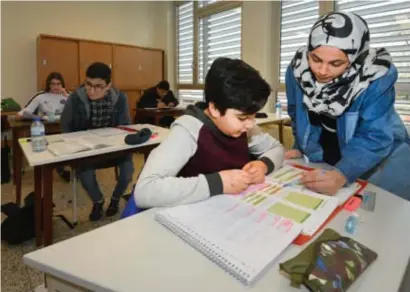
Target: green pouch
<point>9,105</point>
<point>330,263</point>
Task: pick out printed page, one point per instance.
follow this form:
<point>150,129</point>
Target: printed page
<point>66,148</point>
<point>291,175</point>
<point>107,132</point>
<point>294,203</point>
<point>93,142</point>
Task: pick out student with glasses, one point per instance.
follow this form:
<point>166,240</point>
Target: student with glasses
<point>94,105</point>
<point>53,99</point>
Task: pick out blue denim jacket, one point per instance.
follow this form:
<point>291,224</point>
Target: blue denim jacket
<point>372,138</point>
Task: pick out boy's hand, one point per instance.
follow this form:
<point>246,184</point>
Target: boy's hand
<point>321,181</point>
<point>171,104</point>
<point>235,181</point>
<point>161,104</point>
<point>256,170</point>
<point>291,154</point>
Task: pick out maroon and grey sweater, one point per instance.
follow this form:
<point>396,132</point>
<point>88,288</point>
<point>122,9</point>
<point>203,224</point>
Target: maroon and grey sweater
<point>184,167</point>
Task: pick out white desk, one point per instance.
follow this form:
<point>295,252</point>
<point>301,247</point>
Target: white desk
<point>139,254</point>
<point>44,163</point>
<point>117,142</point>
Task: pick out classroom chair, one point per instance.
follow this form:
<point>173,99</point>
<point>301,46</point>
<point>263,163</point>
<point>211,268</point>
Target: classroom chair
<point>74,191</point>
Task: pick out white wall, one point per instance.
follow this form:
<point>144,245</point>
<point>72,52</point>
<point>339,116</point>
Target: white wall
<point>260,40</point>
<point>138,23</point>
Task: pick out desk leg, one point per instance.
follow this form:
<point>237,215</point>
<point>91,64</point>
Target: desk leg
<point>48,204</point>
<point>17,165</point>
<point>157,118</point>
<point>38,204</point>
<point>14,145</point>
<point>281,132</point>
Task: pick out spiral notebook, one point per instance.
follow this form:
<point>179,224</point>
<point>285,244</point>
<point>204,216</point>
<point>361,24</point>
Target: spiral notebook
<point>241,239</point>
<point>244,233</point>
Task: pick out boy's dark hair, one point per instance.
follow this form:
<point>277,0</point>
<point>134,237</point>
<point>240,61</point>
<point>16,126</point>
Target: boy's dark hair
<point>232,83</point>
<point>164,85</point>
<point>51,76</point>
<point>99,70</point>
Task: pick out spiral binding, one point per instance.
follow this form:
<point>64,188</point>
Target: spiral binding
<point>215,253</point>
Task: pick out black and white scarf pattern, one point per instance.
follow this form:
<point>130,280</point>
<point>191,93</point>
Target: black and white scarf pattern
<point>349,33</point>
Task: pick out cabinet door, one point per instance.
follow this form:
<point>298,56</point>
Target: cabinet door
<point>133,97</point>
<point>58,55</point>
<point>127,67</point>
<point>152,67</point>
<point>91,52</point>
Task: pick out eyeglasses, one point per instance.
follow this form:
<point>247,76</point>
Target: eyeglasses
<point>96,87</point>
<point>55,83</point>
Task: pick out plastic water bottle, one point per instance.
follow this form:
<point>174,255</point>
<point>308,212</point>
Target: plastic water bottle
<point>351,223</point>
<point>278,108</point>
<point>38,138</point>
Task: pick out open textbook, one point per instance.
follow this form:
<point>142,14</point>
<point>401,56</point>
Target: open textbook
<point>245,233</point>
<point>70,146</point>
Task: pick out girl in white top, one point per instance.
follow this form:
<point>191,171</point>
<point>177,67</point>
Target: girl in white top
<point>52,99</point>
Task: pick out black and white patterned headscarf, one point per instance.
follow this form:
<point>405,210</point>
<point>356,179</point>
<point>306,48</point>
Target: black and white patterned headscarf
<point>349,33</point>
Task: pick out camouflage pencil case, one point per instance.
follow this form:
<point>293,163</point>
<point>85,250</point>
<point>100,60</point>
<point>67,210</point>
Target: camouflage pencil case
<point>330,263</point>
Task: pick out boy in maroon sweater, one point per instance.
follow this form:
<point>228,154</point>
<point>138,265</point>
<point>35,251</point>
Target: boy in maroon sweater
<point>215,147</point>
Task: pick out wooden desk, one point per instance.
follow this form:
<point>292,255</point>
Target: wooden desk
<point>44,163</point>
<point>5,114</point>
<point>272,119</point>
<point>141,255</point>
<point>21,129</point>
<point>157,114</point>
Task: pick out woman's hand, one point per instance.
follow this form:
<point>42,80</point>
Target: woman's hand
<point>292,154</point>
<point>322,181</point>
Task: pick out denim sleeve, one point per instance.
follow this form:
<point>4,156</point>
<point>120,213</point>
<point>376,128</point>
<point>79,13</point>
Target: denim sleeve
<point>291,87</point>
<point>373,138</point>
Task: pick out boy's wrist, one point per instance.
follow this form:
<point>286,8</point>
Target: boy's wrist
<point>215,183</point>
<point>269,163</point>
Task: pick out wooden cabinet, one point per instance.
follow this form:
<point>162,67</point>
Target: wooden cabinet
<point>137,67</point>
<point>127,67</point>
<point>57,55</point>
<point>133,97</point>
<point>152,64</point>
<point>91,52</point>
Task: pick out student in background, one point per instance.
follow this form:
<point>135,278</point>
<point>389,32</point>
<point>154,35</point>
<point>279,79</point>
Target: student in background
<point>159,96</point>
<point>209,150</point>
<point>341,101</point>
<point>53,98</point>
<point>97,105</point>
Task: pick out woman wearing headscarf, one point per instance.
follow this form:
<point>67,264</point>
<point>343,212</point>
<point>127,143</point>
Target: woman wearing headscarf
<point>341,101</point>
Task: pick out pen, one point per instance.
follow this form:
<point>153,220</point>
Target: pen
<point>292,183</point>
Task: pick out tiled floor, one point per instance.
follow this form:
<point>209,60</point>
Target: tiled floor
<point>17,277</point>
